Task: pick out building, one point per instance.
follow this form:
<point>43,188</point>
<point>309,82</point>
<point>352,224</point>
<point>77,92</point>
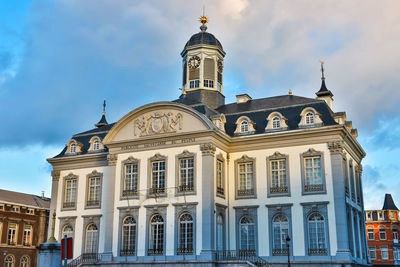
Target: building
<point>23,226</point>
<point>199,180</point>
<point>383,228</point>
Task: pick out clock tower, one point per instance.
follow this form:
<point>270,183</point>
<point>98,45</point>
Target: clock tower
<point>203,65</point>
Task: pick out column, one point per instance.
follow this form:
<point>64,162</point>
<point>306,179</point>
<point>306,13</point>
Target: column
<point>207,196</point>
<point>54,195</point>
<point>108,202</point>
<point>336,149</point>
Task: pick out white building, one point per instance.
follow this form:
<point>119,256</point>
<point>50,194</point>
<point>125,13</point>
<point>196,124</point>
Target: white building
<point>190,179</point>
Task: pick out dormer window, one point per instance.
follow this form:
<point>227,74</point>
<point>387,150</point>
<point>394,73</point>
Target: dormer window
<point>96,145</point>
<point>72,148</point>
<point>276,122</point>
<point>310,119</point>
<point>244,126</point>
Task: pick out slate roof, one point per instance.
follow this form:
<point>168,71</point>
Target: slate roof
<point>389,203</point>
<point>257,110</point>
<point>203,37</point>
<point>24,199</point>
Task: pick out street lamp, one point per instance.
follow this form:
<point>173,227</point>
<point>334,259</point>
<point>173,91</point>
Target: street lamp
<point>288,250</point>
<point>4,259</point>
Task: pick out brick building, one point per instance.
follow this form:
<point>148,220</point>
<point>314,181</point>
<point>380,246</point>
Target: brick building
<point>383,234</point>
<point>23,226</point>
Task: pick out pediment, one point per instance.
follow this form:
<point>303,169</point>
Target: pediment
<point>158,119</point>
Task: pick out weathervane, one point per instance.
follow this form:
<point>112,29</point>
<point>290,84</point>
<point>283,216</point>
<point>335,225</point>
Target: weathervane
<point>203,20</point>
<point>104,107</point>
<point>322,70</point>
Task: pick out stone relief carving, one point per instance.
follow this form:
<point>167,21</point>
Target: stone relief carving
<point>158,122</point>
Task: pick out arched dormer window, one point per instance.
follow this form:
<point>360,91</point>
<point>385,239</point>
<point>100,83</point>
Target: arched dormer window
<point>95,144</point>
<point>73,147</point>
<point>276,121</point>
<point>244,126</point>
<point>310,118</point>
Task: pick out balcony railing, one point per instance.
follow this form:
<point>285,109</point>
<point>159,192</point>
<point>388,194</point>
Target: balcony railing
<point>85,258</point>
<point>181,251</point>
<point>185,188</point>
<point>279,252</point>
<point>282,189</point>
<point>314,188</point>
<point>12,243</point>
<point>321,251</point>
<point>129,193</point>
<point>127,252</point>
<point>241,255</point>
<point>220,191</point>
<point>156,190</point>
<point>93,203</point>
<point>245,192</point>
<point>69,204</point>
<point>155,252</point>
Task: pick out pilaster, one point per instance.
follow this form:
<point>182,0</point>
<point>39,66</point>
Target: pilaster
<point>55,174</point>
<point>336,154</point>
<point>208,202</point>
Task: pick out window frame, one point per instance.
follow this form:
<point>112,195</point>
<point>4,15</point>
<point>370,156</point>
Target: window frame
<point>243,160</point>
<point>94,175</point>
<point>151,192</point>
<point>308,210</point>
<point>312,153</point>
<point>253,224</point>
<point>26,263</point>
<point>70,176</point>
<point>180,189</point>
<point>277,157</point>
<point>318,251</point>
<point>222,238</point>
<point>123,251</point>
<point>96,243</point>
<point>186,250</point>
<point>283,246</point>
<point>220,186</point>
<point>383,249</point>
<point>382,231</point>
<point>369,252</point>
<point>126,193</point>
<point>151,251</point>
<point>14,240</point>
<point>369,233</point>
<point>250,126</point>
<point>27,234</point>
<point>9,264</point>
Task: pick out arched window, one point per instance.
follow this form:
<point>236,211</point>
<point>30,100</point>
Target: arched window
<point>276,122</point>
<point>310,118</point>
<point>73,148</point>
<point>220,232</point>
<point>96,144</point>
<point>67,231</point>
<point>247,235</point>
<point>24,262</point>
<point>280,230</point>
<point>9,261</point>
<point>156,245</point>
<point>316,233</point>
<point>185,245</point>
<point>92,236</point>
<point>244,126</point>
<point>128,236</point>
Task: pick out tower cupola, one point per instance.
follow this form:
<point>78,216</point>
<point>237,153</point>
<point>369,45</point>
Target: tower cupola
<point>203,64</point>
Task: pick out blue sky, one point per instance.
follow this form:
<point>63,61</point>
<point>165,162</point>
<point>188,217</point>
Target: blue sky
<point>60,59</point>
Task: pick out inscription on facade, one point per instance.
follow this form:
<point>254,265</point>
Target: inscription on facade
<point>159,143</point>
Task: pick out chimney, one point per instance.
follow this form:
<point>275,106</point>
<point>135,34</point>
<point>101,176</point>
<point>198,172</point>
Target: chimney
<point>243,98</point>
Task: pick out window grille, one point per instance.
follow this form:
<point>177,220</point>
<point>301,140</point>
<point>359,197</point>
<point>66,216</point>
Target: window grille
<point>220,232</point>
<point>92,236</point>
<point>70,193</point>
<point>316,234</point>
<point>131,179</point>
<point>244,126</point>
<point>246,178</point>
<point>158,176</point>
<point>220,178</point>
<point>276,122</point>
<point>313,174</point>
<point>185,245</point>
<point>186,171</point>
<point>156,245</point>
<point>24,261</point>
<point>94,191</point>
<point>128,236</point>
<point>67,231</point>
<point>310,118</point>
<point>280,231</point>
<point>278,176</point>
<point>247,235</point>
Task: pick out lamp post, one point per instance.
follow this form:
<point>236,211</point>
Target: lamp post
<point>4,259</point>
<point>288,250</point>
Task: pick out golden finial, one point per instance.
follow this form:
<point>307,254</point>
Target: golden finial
<point>203,20</point>
<point>52,239</point>
<point>290,91</point>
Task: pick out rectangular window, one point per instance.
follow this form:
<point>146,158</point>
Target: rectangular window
<point>313,174</point>
<point>28,235</point>
<point>186,174</point>
<point>370,234</point>
<point>220,178</point>
<point>195,84</point>
<point>395,236</point>
<point>392,214</point>
<point>70,193</point>
<point>12,234</point>
<point>209,83</point>
<point>1,206</point>
<point>131,179</point>
<point>382,234</point>
<point>384,252</point>
<point>369,216</point>
<point>94,191</point>
<point>30,211</point>
<point>158,176</point>
<point>15,209</point>
<point>396,253</point>
<point>352,185</point>
<point>372,252</point>
<point>245,179</point>
<point>380,214</point>
<point>278,174</point>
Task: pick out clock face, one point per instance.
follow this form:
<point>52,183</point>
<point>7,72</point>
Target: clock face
<point>220,66</point>
<point>194,62</point>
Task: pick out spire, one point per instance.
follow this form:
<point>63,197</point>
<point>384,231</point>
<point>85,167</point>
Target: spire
<point>389,203</point>
<point>203,20</point>
<point>103,120</point>
<point>323,91</point>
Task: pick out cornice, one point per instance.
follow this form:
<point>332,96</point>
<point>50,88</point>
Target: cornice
<point>79,161</point>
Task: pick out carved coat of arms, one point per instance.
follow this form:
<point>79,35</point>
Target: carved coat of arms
<point>157,123</point>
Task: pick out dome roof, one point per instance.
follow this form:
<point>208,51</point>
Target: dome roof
<point>203,37</point>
